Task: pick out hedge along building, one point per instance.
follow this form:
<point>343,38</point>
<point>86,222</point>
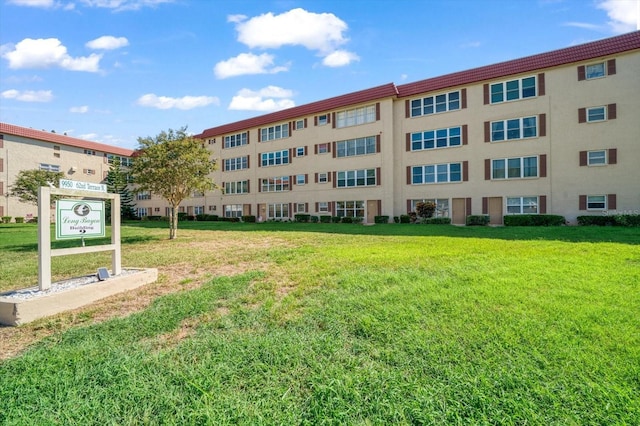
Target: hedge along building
<point>552,133</point>
<point>23,148</point>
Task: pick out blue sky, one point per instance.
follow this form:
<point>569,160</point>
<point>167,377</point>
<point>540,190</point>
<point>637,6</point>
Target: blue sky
<point>111,71</point>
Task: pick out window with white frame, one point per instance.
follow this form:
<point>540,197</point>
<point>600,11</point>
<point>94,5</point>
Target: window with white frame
<point>323,178</point>
<point>301,179</point>
<point>143,195</point>
<point>323,119</point>
<point>351,178</point>
<point>522,205</point>
<point>278,211</point>
<point>300,151</point>
<point>239,187</point>
<point>515,128</point>
<point>442,206</point>
<point>279,131</point>
<point>514,168</point>
<point>142,211</point>
<point>238,163</point>
<point>435,104</point>
<point>299,125</point>
<point>50,167</point>
<point>512,90</point>
<point>275,158</point>
<point>436,173</point>
<point>440,138</point>
<point>231,141</point>
<point>596,202</point>
<point>350,208</point>
<point>323,207</point>
<point>198,210</point>
<point>197,194</point>
<point>356,116</point>
<point>233,210</point>
<point>359,146</point>
<point>595,71</point>
<point>275,184</point>
<point>323,148</point>
<point>89,152</point>
<point>597,158</point>
<point>301,207</point>
<point>89,171</point>
<point>598,113</point>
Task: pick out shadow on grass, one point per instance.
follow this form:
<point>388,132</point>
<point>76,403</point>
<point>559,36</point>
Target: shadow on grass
<point>33,247</point>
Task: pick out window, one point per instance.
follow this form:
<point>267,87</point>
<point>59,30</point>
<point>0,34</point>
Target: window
<point>594,71</point>
<point>50,167</point>
<point>360,146</point>
<point>198,210</point>
<point>350,208</point>
<point>56,148</point>
<point>299,124</point>
<point>197,194</point>
<point>238,163</point>
<point>436,173</point>
<point>356,116</point>
<point>514,168</point>
<point>301,179</point>
<point>441,138</point>
<point>323,207</point>
<point>278,131</point>
<point>278,211</point>
<point>517,128</point>
<point>124,161</point>
<point>596,114</point>
<point>89,152</point>
<point>142,211</point>
<point>144,195</point>
<point>351,178</point>
<point>233,210</point>
<point>323,148</point>
<point>522,205</point>
<point>232,141</point>
<point>240,187</point>
<point>442,206</point>
<point>513,90</point>
<point>301,151</point>
<point>322,178</point>
<point>89,171</point>
<point>275,158</point>
<point>301,207</point>
<point>275,184</point>
<point>596,202</point>
<point>435,104</point>
<point>323,119</point>
<point>597,158</point>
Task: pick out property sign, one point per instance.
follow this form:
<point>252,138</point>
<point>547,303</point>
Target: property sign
<point>84,186</point>
<point>79,219</point>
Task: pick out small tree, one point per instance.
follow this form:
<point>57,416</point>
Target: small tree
<point>117,183</point>
<point>425,209</point>
<point>29,181</point>
<point>173,165</point>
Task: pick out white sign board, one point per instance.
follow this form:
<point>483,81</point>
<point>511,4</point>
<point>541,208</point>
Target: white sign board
<point>83,186</point>
<point>79,219</point>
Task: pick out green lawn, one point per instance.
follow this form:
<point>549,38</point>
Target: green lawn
<point>347,324</point>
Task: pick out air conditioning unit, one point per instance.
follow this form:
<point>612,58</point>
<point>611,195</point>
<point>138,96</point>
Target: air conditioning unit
<point>74,169</point>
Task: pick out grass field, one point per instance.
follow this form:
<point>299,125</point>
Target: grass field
<point>338,324</point>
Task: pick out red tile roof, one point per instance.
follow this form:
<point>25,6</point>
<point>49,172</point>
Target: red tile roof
<point>583,52</point>
<point>10,129</point>
<point>368,95</point>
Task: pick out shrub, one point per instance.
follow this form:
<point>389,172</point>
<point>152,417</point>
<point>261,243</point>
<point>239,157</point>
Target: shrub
<point>302,217</point>
<point>154,218</point>
<point>33,219</point>
<point>249,218</point>
<point>396,219</point>
<point>201,217</point>
<point>627,220</point>
<point>325,219</point>
<point>357,219</point>
<point>314,219</point>
<point>347,219</point>
<point>436,221</point>
<point>534,220</point>
<point>381,219</point>
<point>229,219</point>
<point>335,219</point>
<point>6,219</point>
<point>425,209</point>
<point>191,218</point>
<point>182,216</point>
<point>477,220</point>
<point>405,218</point>
<point>617,220</point>
<point>19,219</point>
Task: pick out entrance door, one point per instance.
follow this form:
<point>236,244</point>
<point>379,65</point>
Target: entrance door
<point>458,211</point>
<point>495,210</point>
<point>262,212</point>
<point>372,210</point>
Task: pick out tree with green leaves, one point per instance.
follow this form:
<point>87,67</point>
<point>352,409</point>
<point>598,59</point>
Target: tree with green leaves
<point>28,182</point>
<point>117,183</point>
<point>173,165</point>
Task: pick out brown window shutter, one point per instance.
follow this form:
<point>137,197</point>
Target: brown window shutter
<point>306,178</point>
<point>290,128</point>
<point>334,149</point>
<point>305,123</point>
<point>611,67</point>
<point>408,206</point>
<point>378,177</point>
<point>543,166</point>
<point>408,175</point>
<point>259,185</point>
<point>407,109</point>
<point>290,209</point>
<point>329,147</point>
<point>248,164</point>
<point>290,155</point>
<point>487,131</point>
<point>259,160</point>
<point>465,134</point>
<point>329,176</point>
<point>292,181</point>
<point>468,206</point>
<point>248,133</point>
<point>542,125</point>
<point>332,119</point>
<point>542,204</point>
<point>317,206</point>
<point>583,158</point>
<point>408,141</point>
<point>377,111</point>
<point>612,111</point>
<point>315,120</point>
<point>582,73</point>
<point>582,202</point>
<point>465,171</point>
<point>485,205</point>
<point>485,91</point>
<point>541,88</point>
<point>379,207</point>
<point>316,178</point>
<point>249,208</point>
<point>259,135</point>
<point>315,149</point>
<point>334,179</point>
<point>463,101</point>
<point>249,188</point>
<point>223,169</point>
<point>582,115</point>
<point>487,169</point>
<point>378,142</point>
<point>612,154</point>
<point>306,207</point>
<point>611,202</point>
<point>1,187</point>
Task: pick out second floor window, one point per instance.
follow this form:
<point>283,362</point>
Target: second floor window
<point>275,158</point>
<point>360,146</point>
<point>275,184</point>
<point>351,178</point>
<point>431,139</point>
<point>436,173</point>
<point>238,163</point>
<point>517,128</point>
<point>514,168</point>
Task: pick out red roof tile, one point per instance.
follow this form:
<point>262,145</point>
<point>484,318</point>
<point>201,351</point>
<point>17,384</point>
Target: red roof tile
<point>379,92</point>
<point>25,132</point>
<point>583,52</point>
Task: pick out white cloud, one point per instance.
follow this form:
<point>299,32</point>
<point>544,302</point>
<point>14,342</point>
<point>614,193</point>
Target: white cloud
<point>33,3</point>
<point>107,43</point>
<point>247,63</point>
<point>80,109</point>
<point>585,25</point>
<point>623,14</point>
<point>47,53</point>
<point>339,58</point>
<point>28,95</point>
<point>270,98</point>
<point>121,5</point>
<point>184,103</point>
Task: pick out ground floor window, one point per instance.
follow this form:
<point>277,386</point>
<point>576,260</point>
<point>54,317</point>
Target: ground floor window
<point>442,206</point>
<point>350,208</point>
<point>233,210</point>
<point>142,212</point>
<point>198,210</point>
<point>596,202</point>
<point>278,211</point>
<point>301,207</point>
<point>522,205</point>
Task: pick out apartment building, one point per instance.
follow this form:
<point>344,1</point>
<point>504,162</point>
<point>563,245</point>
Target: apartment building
<point>23,148</point>
<point>556,133</point>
